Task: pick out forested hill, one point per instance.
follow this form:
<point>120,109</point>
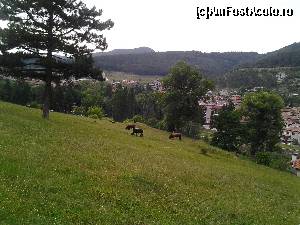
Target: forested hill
<point>266,70</point>
<point>141,50</point>
<point>288,56</point>
<point>159,63</point>
<point>145,61</point>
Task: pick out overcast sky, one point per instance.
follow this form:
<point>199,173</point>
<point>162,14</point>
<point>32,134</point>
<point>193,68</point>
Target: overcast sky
<point>167,25</point>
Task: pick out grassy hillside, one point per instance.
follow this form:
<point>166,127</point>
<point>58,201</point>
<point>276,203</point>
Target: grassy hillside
<point>72,170</point>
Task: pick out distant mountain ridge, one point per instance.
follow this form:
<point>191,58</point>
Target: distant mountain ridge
<point>267,70</point>
<point>140,50</point>
<point>145,61</point>
<point>159,63</point>
<point>288,56</point>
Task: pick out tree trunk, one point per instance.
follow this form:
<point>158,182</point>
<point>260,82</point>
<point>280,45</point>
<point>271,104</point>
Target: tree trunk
<point>46,105</point>
<point>48,72</point>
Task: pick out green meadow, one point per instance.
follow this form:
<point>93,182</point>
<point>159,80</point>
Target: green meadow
<point>75,170</point>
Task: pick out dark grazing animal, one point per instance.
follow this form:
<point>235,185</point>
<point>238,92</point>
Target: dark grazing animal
<point>135,130</point>
<point>175,135</point>
<point>130,126</point>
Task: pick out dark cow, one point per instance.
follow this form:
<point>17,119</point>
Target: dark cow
<point>130,126</point>
<point>175,135</point>
<point>135,130</point>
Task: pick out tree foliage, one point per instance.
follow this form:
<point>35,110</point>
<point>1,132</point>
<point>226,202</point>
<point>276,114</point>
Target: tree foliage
<point>123,103</point>
<point>39,31</point>
<point>288,56</point>
<point>230,131</point>
<point>262,114</point>
<point>18,92</point>
<point>250,78</point>
<point>95,112</point>
<point>150,105</point>
<point>184,88</point>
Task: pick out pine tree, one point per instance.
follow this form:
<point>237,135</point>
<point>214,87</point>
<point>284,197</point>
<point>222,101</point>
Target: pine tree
<point>40,31</point>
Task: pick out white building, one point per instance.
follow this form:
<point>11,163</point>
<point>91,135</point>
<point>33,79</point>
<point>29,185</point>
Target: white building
<point>156,85</point>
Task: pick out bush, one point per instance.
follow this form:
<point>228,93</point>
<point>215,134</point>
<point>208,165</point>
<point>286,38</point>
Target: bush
<point>192,130</point>
<point>278,149</point>
<point>93,116</point>
<point>205,138</point>
<point>263,158</point>
<point>162,125</point>
<point>138,118</point>
<point>152,122</point>
<point>95,112</point>
<point>79,110</point>
<point>128,121</point>
<point>280,161</point>
<point>35,105</point>
<point>274,160</point>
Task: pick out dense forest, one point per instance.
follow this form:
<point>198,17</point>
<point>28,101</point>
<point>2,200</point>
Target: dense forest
<point>288,56</point>
<point>266,71</point>
<point>258,77</point>
<point>159,63</point>
<point>250,78</point>
<point>144,61</point>
<point>282,80</point>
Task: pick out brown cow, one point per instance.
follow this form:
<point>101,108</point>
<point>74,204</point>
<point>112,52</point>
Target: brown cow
<point>130,126</point>
<point>175,135</point>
